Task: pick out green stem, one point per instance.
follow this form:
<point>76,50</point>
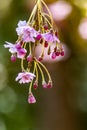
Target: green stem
<point>30,87</point>
<point>32,14</point>
<point>41,71</point>
<point>48,11</point>
<point>44,69</point>
<point>22,61</point>
<point>36,73</point>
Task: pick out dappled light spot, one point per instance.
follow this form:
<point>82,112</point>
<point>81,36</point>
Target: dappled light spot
<point>8,100</point>
<point>83,28</point>
<point>81,3</point>
<point>3,76</point>
<point>4,4</point>
<point>60,10</point>
<point>2,125</point>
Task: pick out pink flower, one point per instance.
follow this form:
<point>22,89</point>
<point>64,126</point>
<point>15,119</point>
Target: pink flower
<point>21,53</point>
<point>16,48</point>
<point>12,47</point>
<point>28,33</point>
<point>50,37</point>
<point>31,98</point>
<point>21,26</point>
<point>25,77</point>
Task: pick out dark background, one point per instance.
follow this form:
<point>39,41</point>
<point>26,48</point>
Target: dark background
<point>64,107</point>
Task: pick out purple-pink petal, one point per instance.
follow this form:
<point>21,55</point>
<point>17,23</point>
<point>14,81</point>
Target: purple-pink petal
<point>25,77</point>
<point>50,37</point>
<point>11,47</point>
<point>21,53</point>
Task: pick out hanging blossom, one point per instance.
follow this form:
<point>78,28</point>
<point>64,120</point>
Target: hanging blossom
<point>25,77</point>
<point>16,49</point>
<point>39,29</point>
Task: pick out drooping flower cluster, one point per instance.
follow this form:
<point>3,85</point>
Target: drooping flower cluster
<point>38,30</point>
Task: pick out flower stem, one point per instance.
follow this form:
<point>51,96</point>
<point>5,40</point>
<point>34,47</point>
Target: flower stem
<point>44,69</point>
<point>40,71</point>
<point>30,87</point>
<point>32,14</point>
<point>48,11</point>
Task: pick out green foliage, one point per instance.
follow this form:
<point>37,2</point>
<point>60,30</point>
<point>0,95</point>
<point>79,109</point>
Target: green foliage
<point>56,107</point>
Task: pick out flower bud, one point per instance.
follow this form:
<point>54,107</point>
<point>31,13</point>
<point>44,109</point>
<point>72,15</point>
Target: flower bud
<point>13,58</point>
<point>57,53</point>
<point>38,37</point>
<point>40,58</point>
<point>29,58</point>
<point>46,44</point>
<point>56,33</point>
<point>21,43</point>
<point>31,98</point>
<point>41,41</point>
<point>62,53</point>
<point>35,85</point>
<point>53,55</point>
<point>49,85</point>
<point>55,49</point>
<point>44,84</point>
<point>46,27</point>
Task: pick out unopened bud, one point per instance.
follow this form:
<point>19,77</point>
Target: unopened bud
<point>53,55</point>
<point>38,37</point>
<point>13,58</point>
<point>46,27</point>
<point>44,84</point>
<point>46,44</point>
<point>29,58</point>
<point>49,85</point>
<point>62,53</point>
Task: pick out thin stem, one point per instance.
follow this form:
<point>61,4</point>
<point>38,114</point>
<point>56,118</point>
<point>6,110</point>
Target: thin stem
<point>36,73</point>
<point>39,16</point>
<point>30,87</point>
<point>22,61</point>
<point>40,71</point>
<point>22,67</point>
<point>47,20</point>
<point>33,12</point>
<point>45,14</point>
<point>30,48</point>
<point>44,69</point>
<point>48,11</point>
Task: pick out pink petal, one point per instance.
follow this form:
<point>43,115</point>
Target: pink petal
<point>21,53</point>
<point>31,98</point>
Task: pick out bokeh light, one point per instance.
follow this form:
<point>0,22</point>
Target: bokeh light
<point>4,5</point>
<point>2,125</point>
<point>64,107</point>
<point>8,100</point>
<point>60,10</point>
<point>81,3</point>
<point>3,76</point>
<point>83,28</point>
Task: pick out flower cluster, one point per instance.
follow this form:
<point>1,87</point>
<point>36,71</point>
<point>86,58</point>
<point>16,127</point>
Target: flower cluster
<point>38,30</point>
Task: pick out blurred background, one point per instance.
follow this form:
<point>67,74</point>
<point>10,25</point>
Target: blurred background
<point>64,107</point>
